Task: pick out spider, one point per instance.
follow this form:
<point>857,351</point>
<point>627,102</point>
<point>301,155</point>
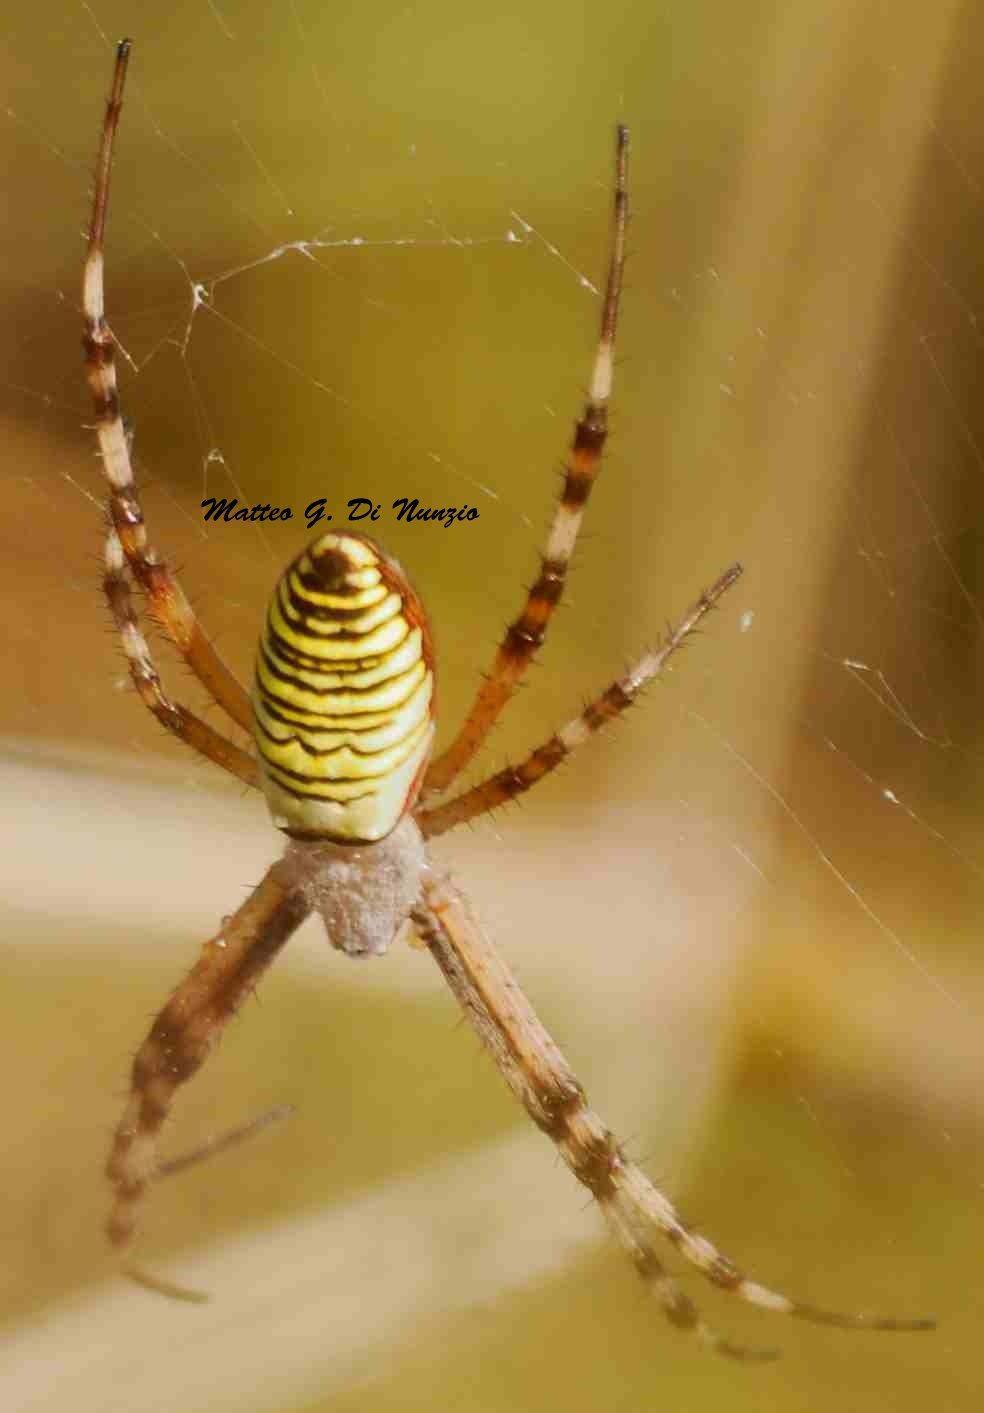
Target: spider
<point>341,715</point>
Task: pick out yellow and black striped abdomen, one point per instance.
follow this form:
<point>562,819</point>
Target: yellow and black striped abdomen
<point>343,693</point>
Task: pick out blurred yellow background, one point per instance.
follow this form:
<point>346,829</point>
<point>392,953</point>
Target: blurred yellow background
<point>348,255</point>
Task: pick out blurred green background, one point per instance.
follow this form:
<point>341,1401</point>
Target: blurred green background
<point>348,255</point>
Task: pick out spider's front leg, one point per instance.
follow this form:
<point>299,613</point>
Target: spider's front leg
<point>189,1025</point>
<point>543,1082</point>
<point>344,723</point>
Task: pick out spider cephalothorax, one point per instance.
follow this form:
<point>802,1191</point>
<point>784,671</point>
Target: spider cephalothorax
<point>343,705</point>
<point>342,718</point>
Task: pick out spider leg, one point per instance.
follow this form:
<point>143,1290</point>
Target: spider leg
<point>166,600</point>
<point>542,1081</point>
<point>143,673</point>
<point>186,1029</point>
<point>525,635</point>
<point>515,780</point>
<point>222,1142</point>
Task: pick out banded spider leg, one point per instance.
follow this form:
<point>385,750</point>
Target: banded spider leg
<point>346,638</point>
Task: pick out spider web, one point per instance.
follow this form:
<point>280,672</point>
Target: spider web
<point>359,257</point>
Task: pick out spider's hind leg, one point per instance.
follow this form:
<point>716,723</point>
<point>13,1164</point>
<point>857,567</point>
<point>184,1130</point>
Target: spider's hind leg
<point>524,636</point>
<point>146,679</point>
<point>515,780</point>
<point>166,600</point>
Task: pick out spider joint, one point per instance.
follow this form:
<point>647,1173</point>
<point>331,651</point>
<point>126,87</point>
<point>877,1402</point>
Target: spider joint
<point>522,636</point>
<point>549,587</point>
<point>592,430</point>
<point>124,509</point>
<point>723,1273</point>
